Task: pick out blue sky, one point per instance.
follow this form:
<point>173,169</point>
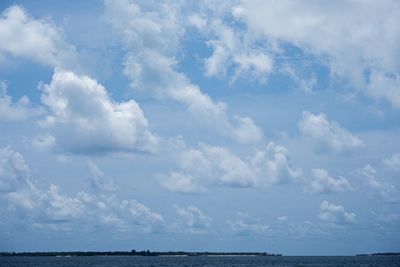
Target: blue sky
<point>200,125</point>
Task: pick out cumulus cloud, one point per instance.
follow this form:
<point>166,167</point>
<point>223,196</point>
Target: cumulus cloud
<point>38,40</point>
<point>231,49</point>
<point>322,182</point>
<point>45,206</point>
<point>49,207</point>
<point>84,119</point>
<point>393,162</point>
<point>13,170</point>
<point>243,224</point>
<point>382,189</point>
<point>285,227</point>
<point>335,215</point>
<point>358,41</point>
<point>152,33</point>
<point>234,52</point>
<point>182,183</point>
<point>15,111</point>
<point>273,165</point>
<point>97,179</point>
<point>385,86</point>
<point>43,141</point>
<point>327,134</point>
<point>192,220</point>
<point>214,165</point>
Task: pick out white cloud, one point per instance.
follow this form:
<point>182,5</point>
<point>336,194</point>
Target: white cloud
<point>357,40</point>
<point>83,119</point>
<point>384,190</point>
<point>155,73</point>
<point>50,208</point>
<point>335,215</point>
<point>152,35</point>
<point>231,49</point>
<point>43,141</point>
<point>393,162</point>
<point>139,214</point>
<point>243,224</point>
<point>181,183</point>
<point>282,227</point>
<point>322,182</point>
<point>244,130</point>
<point>217,166</point>
<point>306,83</point>
<point>18,111</point>
<point>220,164</point>
<point>45,206</point>
<point>38,40</point>
<point>147,24</point>
<point>384,86</point>
<point>273,165</point>
<point>327,134</point>
<point>235,52</point>
<point>13,170</point>
<point>97,179</point>
<point>192,220</point>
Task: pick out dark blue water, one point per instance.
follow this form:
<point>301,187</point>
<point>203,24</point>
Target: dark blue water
<point>284,261</point>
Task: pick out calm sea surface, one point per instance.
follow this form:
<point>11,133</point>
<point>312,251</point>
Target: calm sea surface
<point>203,261</point>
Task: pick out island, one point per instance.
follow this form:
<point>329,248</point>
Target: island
<point>133,253</point>
<point>381,254</point>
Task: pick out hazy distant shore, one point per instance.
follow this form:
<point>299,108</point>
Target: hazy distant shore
<point>134,253</point>
<point>157,253</point>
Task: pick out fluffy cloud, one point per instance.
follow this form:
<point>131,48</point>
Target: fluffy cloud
<point>322,182</point>
<point>393,162</point>
<point>192,220</point>
<point>152,34</point>
<point>213,165</point>
<point>273,165</point>
<point>335,215</point>
<point>243,224</point>
<point>234,52</point>
<point>83,119</point>
<point>231,49</point>
<point>41,41</point>
<point>357,40</point>
<point>45,206</point>
<point>384,190</point>
<point>327,134</point>
<point>50,208</point>
<point>17,111</point>
<point>385,86</point>
<point>98,181</point>
<point>13,170</point>
<point>182,183</point>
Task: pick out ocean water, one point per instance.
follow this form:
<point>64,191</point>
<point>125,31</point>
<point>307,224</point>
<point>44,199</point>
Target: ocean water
<point>285,261</point>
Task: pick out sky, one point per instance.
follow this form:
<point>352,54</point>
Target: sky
<point>200,126</point>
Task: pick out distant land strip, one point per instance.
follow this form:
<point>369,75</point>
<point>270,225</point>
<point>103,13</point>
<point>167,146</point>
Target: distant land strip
<point>154,253</point>
<point>381,254</point>
<point>132,253</point>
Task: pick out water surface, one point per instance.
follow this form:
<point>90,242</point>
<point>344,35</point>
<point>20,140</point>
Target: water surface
<point>285,261</point>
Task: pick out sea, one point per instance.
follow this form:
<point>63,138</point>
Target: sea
<point>205,261</point>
